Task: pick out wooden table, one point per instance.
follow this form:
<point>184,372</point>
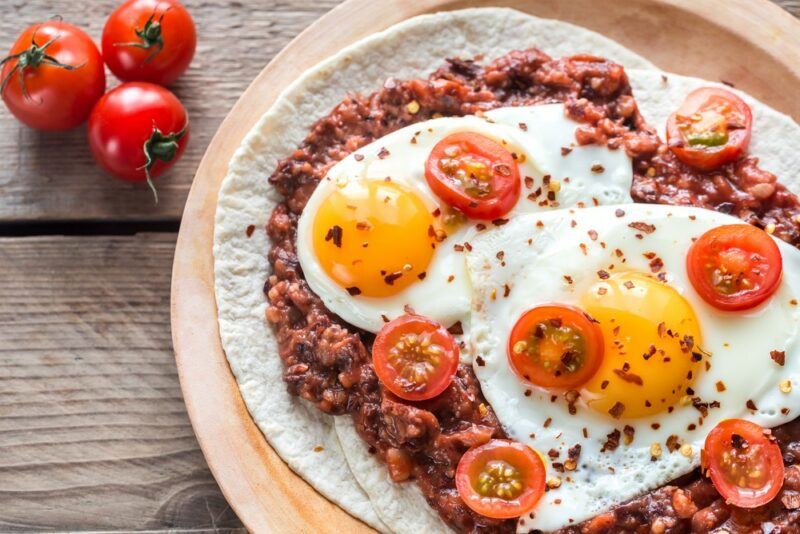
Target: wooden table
<point>93,431</point>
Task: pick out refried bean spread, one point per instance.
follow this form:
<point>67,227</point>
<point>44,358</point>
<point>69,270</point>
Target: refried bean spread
<point>328,362</point>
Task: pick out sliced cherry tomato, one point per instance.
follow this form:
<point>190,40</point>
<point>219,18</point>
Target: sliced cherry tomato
<point>735,267</point>
<point>555,346</point>
<point>137,131</point>
<point>149,40</point>
<point>744,463</point>
<point>474,174</point>
<point>415,358</point>
<point>501,479</point>
<point>52,76</point>
<point>712,127</point>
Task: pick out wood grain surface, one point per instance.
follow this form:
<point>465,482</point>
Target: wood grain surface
<point>51,176</point>
<point>93,431</point>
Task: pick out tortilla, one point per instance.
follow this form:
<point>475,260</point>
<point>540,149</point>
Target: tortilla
<point>414,48</point>
<point>324,450</point>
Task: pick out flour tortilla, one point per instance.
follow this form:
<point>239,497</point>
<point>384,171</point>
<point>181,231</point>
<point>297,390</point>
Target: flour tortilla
<point>324,450</point>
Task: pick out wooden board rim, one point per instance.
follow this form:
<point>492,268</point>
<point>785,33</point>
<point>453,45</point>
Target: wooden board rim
<point>264,492</point>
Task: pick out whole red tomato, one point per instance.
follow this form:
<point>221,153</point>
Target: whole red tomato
<point>149,40</point>
<point>52,76</point>
<point>137,131</point>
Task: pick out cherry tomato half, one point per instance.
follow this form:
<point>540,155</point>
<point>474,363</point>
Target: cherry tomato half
<point>474,174</point>
<point>734,267</point>
<point>744,463</point>
<point>52,76</point>
<point>137,131</point>
<point>415,358</point>
<point>149,40</point>
<point>712,127</point>
<point>501,479</point>
<point>555,346</point>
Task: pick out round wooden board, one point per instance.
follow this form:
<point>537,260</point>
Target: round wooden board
<point>751,43</point>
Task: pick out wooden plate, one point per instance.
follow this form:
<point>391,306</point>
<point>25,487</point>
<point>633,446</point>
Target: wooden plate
<point>751,43</point>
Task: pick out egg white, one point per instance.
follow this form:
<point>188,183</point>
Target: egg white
<point>739,344</point>
<point>536,134</point>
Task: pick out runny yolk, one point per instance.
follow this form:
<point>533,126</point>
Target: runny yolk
<point>653,344</point>
<point>374,238</point>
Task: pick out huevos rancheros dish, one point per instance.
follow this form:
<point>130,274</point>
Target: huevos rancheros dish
<point>527,283</point>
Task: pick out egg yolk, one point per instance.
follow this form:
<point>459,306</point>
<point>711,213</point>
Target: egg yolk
<point>652,346</point>
<point>374,238</point>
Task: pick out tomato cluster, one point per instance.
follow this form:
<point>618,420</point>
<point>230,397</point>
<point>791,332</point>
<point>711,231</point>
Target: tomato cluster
<point>53,79</point>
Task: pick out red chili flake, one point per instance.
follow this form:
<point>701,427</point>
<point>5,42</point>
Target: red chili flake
<point>655,426</point>
<point>642,227</point>
<point>358,157</point>
<point>656,265</point>
<point>467,246</point>
<point>363,225</point>
<point>720,386</point>
<point>661,329</point>
<point>751,405</point>
<point>628,284</point>
<point>612,441</point>
<point>422,275</point>
<point>582,246</point>
<point>250,229</point>
<point>649,255</point>
<point>409,310</point>
<point>391,277</point>
<point>523,127</point>
<point>585,432</point>
<point>597,168</point>
<point>571,397</point>
<point>547,422</point>
<point>574,452</point>
<point>778,356</point>
<point>603,275</point>
<point>565,150</point>
<point>385,319</point>
<point>436,212</point>
<point>629,377</point>
<point>539,224</point>
<point>506,290</point>
<point>353,291</point>
<point>553,454</point>
<point>604,384</point>
<point>413,140</point>
<point>528,392</point>
<point>673,443</point>
<point>500,255</point>
<point>602,291</point>
<point>528,182</point>
<point>335,234</point>
<point>628,431</point>
<point>450,278</point>
<point>480,227</point>
<point>619,212</point>
<point>458,248</point>
<point>456,329</point>
<point>617,410</point>
<point>592,235</point>
<point>784,411</point>
<point>568,278</point>
<point>383,153</point>
<point>480,361</point>
<point>499,222</point>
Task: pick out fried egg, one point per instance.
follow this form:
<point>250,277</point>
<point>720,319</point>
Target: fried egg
<point>374,241</point>
<point>675,364</point>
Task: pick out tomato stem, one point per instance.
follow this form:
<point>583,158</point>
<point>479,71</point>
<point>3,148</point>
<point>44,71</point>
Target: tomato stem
<point>160,147</point>
<point>150,35</point>
<point>32,58</point>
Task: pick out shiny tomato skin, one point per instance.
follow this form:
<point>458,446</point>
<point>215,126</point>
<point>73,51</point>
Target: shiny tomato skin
<point>755,252</point>
<point>131,63</point>
<point>587,332</point>
<point>440,374</point>
<point>522,458</point>
<point>763,449</point>
<point>504,181</point>
<point>124,119</point>
<point>710,158</point>
<point>59,99</point>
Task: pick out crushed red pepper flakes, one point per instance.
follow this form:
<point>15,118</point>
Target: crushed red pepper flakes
<point>592,235</point>
<point>617,410</point>
<point>628,431</point>
<point>385,319</point>
<point>629,377</point>
<point>778,356</point>
<point>597,168</point>
<point>603,275</point>
<point>751,405</point>
<point>499,222</point>
<point>354,291</point>
<point>422,275</point>
<point>619,212</point>
<point>391,277</point>
<point>523,127</point>
<point>456,329</point>
<point>612,441</point>
<point>506,290</point>
<point>383,153</point>
<point>720,386</point>
<point>565,150</point>
<point>642,227</point>
<point>673,443</point>
<point>568,278</point>
<point>480,361</point>
<point>358,157</point>
<point>335,234</point>
<point>528,182</point>
<point>547,422</point>
<point>250,229</point>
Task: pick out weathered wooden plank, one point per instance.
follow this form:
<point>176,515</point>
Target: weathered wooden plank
<point>45,176</point>
<point>93,430</point>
